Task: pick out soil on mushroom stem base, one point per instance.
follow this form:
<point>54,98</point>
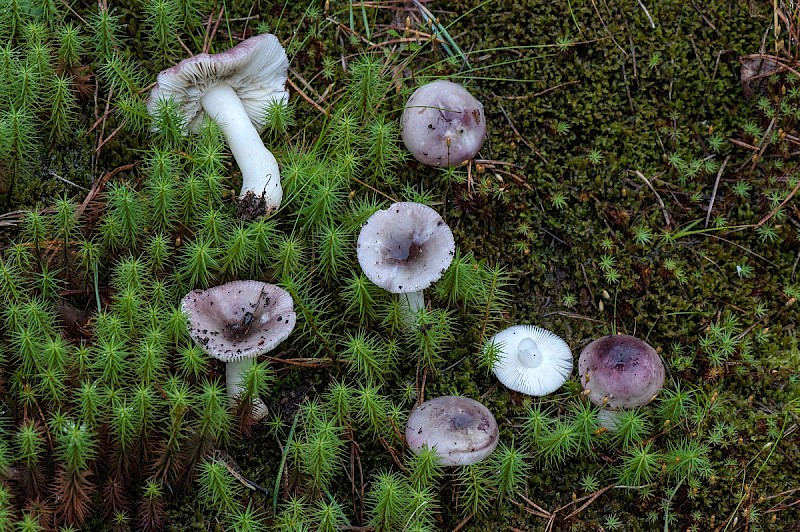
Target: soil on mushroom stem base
<point>635,96</point>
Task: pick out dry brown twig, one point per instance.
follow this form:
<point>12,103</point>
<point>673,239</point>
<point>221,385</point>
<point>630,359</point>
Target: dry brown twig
<point>587,500</point>
<point>663,207</point>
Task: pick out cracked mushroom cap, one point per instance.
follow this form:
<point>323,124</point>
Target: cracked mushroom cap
<point>620,371</point>
<point>531,360</point>
<point>443,124</point>
<point>240,319</point>
<point>405,248</point>
<point>461,430</point>
<point>256,69</point>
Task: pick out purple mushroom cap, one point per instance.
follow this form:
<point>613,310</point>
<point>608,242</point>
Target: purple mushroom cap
<point>443,124</point>
<point>240,319</point>
<point>237,321</point>
<point>461,430</point>
<point>405,248</point>
<point>620,371</point>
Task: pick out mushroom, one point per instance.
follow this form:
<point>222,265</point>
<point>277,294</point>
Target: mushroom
<point>404,249</point>
<point>443,124</point>
<point>234,88</point>
<point>460,430</point>
<point>236,322</point>
<point>620,371</point>
<point>531,360</point>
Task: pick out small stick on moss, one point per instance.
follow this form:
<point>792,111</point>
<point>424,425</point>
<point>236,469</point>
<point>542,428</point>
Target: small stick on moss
<point>658,197</point>
<point>463,522</point>
<point>646,12</point>
<point>299,91</point>
<point>766,218</point>
<point>522,139</point>
<point>67,181</point>
<point>362,183</point>
<point>238,476</point>
<point>212,32</point>
<point>716,186</point>
<point>764,143</point>
<point>302,362</point>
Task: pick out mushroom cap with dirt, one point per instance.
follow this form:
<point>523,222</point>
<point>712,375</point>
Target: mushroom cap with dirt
<point>620,371</point>
<point>460,430</point>
<point>443,124</point>
<point>237,321</point>
<point>234,88</point>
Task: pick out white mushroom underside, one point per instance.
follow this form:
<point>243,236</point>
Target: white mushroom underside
<point>531,360</point>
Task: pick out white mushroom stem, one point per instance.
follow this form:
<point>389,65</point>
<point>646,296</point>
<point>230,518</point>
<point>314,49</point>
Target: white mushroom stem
<point>610,419</point>
<point>414,300</point>
<point>529,354</point>
<point>260,174</point>
<point>234,376</point>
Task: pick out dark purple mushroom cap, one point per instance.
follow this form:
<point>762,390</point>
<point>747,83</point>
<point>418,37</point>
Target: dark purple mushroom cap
<point>443,124</point>
<point>240,319</point>
<point>256,69</point>
<point>620,371</point>
<point>405,248</point>
<point>461,430</point>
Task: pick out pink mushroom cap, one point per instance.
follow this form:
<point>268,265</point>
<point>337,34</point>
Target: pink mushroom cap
<point>620,371</point>
<point>240,319</point>
<point>443,124</point>
<point>461,430</point>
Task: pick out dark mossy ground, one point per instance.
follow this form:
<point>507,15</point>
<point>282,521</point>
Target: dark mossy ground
<point>594,116</point>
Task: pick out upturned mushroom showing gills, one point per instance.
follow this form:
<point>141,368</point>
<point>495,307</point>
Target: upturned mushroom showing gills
<point>236,322</point>
<point>404,249</point>
<point>460,430</point>
<point>531,360</point>
<point>443,124</point>
<point>234,88</point>
<point>620,371</point>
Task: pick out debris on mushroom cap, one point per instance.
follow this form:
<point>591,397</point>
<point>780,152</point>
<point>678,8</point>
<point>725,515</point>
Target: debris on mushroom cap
<point>531,360</point>
<point>461,430</point>
<point>620,371</point>
<point>256,69</point>
<point>240,319</point>
<point>405,248</point>
<point>443,124</point>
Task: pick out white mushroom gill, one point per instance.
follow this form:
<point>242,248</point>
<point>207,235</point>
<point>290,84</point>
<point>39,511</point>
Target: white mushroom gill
<point>531,360</point>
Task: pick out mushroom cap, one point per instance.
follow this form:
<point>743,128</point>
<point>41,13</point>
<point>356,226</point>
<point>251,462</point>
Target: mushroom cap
<point>621,371</point>
<point>461,430</point>
<point>256,69</point>
<point>405,248</point>
<point>439,111</point>
<point>531,360</point>
<point>240,319</point>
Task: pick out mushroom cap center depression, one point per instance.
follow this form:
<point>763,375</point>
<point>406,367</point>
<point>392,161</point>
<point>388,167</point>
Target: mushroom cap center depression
<point>529,354</point>
<point>240,328</point>
<point>404,248</point>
